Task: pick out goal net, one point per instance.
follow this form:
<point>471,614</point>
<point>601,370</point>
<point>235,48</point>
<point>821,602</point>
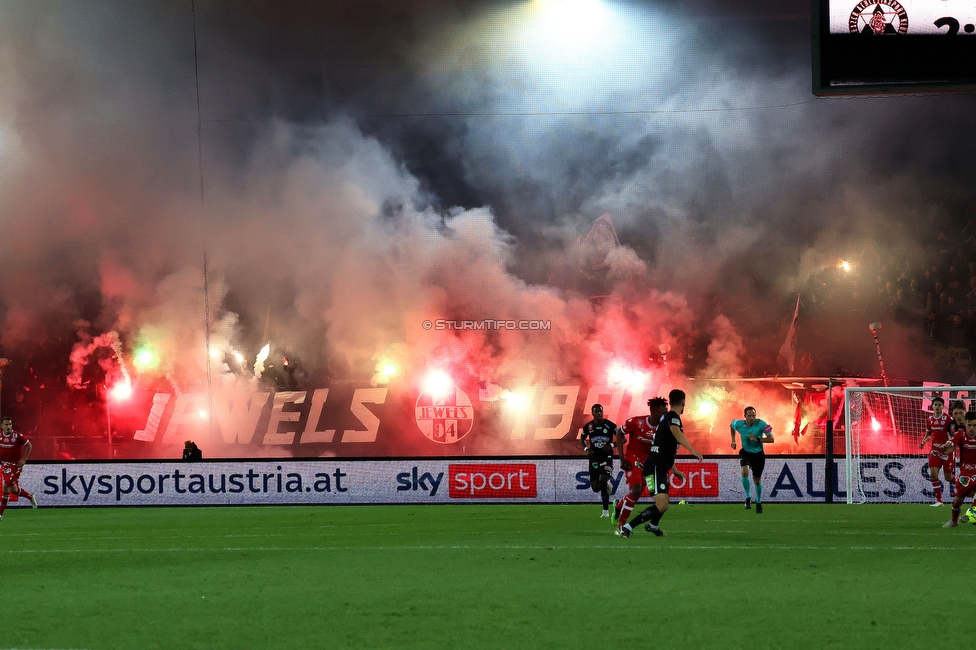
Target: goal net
<point>883,430</point>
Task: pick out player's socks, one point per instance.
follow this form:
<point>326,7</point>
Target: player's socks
<point>758,493</point>
<point>955,512</point>
<point>605,495</point>
<point>745,486</point>
<point>655,515</point>
<point>937,488</point>
<point>651,514</point>
<point>643,516</point>
<point>628,504</point>
<point>3,504</point>
<point>24,493</point>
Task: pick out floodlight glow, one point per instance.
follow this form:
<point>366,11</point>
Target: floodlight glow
<point>203,414</point>
<point>438,384</point>
<point>238,357</point>
<point>571,23</point>
<point>389,370</point>
<point>875,425</point>
<point>215,353</point>
<point>845,266</point>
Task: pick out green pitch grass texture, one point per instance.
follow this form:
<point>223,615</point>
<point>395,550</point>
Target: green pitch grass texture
<point>797,576</point>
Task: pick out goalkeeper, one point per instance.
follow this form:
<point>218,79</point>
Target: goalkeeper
<point>754,433</point>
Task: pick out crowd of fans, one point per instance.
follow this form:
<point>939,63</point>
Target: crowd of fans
<point>929,288</point>
<point>938,296</point>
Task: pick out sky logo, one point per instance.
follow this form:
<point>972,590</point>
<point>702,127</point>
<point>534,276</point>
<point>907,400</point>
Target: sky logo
<point>415,481</point>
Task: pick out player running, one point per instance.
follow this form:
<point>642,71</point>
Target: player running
<point>965,443</point>
<point>640,431</point>
<point>937,429</point>
<point>669,435</point>
<point>599,453</point>
<point>754,433</point>
<point>15,449</point>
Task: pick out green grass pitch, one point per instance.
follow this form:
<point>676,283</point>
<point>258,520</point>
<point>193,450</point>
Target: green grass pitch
<point>488,576</point>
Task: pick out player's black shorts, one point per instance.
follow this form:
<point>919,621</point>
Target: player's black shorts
<point>601,468</point>
<point>656,470</point>
<point>755,460</point>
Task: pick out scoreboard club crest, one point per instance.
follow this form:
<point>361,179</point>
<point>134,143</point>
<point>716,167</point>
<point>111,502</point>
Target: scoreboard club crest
<point>873,17</point>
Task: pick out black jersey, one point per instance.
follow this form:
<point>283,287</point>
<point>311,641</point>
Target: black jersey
<point>665,444</point>
<point>601,437</point>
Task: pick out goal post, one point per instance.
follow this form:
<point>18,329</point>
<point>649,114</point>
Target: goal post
<point>883,427</point>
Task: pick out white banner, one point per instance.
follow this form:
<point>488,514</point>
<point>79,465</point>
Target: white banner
<point>912,17</point>
<point>786,479</point>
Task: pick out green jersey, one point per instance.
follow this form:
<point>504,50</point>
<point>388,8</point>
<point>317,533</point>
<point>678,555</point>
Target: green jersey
<point>757,429</point>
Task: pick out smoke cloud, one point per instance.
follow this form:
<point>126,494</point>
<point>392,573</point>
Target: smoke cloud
<point>357,176</point>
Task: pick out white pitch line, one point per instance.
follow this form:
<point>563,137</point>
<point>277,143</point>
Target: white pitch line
<point>305,533</point>
<point>622,546</point>
<point>75,535</point>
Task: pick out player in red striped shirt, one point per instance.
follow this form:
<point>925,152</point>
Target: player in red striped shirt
<point>965,443</point>
<point>640,433</point>
<point>937,429</point>
<point>15,449</point>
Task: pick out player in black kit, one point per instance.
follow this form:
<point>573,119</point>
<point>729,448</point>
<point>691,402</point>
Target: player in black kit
<point>670,434</point>
<point>599,453</point>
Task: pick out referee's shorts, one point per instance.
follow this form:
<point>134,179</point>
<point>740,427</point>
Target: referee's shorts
<point>756,461</point>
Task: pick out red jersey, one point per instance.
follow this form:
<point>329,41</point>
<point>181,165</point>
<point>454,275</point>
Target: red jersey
<point>966,448</point>
<point>640,436</point>
<point>939,428</point>
<point>12,446</point>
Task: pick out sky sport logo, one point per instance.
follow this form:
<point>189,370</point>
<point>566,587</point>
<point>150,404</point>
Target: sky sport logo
<point>701,480</point>
<point>492,481</point>
<point>489,324</point>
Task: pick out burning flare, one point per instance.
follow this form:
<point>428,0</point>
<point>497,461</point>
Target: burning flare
<point>259,362</point>
<point>438,384</point>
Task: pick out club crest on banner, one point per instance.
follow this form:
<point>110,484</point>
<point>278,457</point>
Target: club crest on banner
<point>444,418</point>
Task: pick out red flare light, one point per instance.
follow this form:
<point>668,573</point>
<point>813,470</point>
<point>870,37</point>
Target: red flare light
<point>438,384</point>
<point>121,391</point>
<point>516,401</point>
<point>620,375</point>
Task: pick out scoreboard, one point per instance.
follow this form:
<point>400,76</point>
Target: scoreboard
<point>877,46</point>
